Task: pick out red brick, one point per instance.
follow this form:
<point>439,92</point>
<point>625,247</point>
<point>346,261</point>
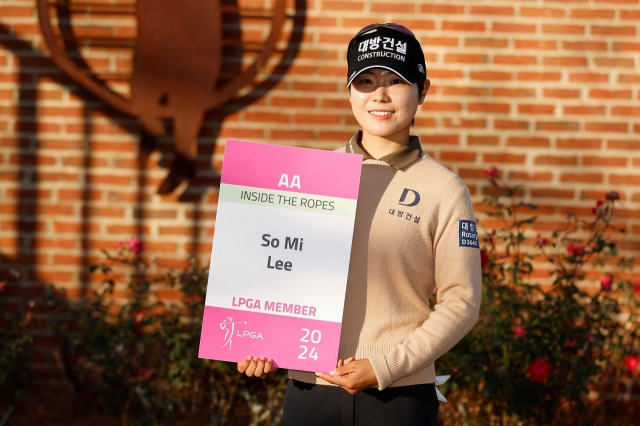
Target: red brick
<point>604,161</point>
<point>271,117</point>
<point>503,158</point>
<point>513,27</point>
<point>439,41</point>
<point>583,110</point>
<point>300,86</point>
<point>593,13</point>
<point>464,91</point>
<point>478,123</point>
<point>462,26</point>
<point>539,76</point>
<point>441,106</point>
<point>9,11</point>
<point>630,14</point>
<point>443,73</point>
<point>535,109</point>
<point>562,29</point>
<point>606,127</point>
<point>624,179</point>
<point>465,58</point>
<point>343,5</point>
<point>542,12</point>
<point>491,75</point>
<point>282,101</point>
<point>299,135</point>
<point>482,140</point>
<point>561,93</point>
<point>492,10</point>
<point>528,142</point>
<point>489,107</point>
<point>626,110</point>
<point>492,43</point>
<point>102,211</point>
<point>457,156</point>
<point>555,160</point>
<point>579,143</point>
<point>515,92</point>
<point>323,118</point>
<point>514,60</point>
<point>560,126</point>
<point>440,139</point>
<point>633,145</point>
<point>614,62</point>
<point>536,44</point>
<point>609,94</point>
<point>608,30</point>
<point>584,45</point>
<point>564,61</point>
<point>588,77</point>
<point>629,78</point>
<point>437,9</point>
<point>581,177</point>
<point>626,47</point>
<point>510,124</point>
<point>393,7</point>
<point>534,177</point>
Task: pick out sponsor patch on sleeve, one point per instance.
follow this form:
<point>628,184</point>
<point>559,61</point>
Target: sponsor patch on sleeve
<point>468,234</point>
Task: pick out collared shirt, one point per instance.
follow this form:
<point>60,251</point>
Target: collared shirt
<point>398,159</point>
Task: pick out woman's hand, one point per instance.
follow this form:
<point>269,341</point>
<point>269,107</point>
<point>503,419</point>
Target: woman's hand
<point>254,366</point>
<point>353,376</point>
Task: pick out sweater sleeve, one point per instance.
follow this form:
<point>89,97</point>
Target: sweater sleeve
<point>459,280</point>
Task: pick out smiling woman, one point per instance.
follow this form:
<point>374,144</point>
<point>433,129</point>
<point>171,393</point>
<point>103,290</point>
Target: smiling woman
<point>414,232</point>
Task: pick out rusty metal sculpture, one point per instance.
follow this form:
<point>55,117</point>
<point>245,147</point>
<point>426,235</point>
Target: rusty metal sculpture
<point>177,62</point>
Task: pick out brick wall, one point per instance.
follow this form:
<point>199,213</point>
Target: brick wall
<point>548,91</point>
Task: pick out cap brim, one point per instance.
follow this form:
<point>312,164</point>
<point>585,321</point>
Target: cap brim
<point>357,73</point>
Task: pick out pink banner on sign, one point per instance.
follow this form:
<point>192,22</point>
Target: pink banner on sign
<point>327,173</point>
<point>296,343</point>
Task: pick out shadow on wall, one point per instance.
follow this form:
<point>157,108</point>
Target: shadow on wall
<point>33,64</point>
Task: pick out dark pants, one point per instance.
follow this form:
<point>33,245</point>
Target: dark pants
<point>309,405</point>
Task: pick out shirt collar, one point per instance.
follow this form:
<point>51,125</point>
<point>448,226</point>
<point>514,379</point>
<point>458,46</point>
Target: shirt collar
<point>398,159</point>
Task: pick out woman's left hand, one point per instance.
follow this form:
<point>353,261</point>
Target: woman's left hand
<point>353,377</point>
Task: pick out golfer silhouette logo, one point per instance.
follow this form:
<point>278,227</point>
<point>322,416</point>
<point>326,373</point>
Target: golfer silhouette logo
<point>229,328</point>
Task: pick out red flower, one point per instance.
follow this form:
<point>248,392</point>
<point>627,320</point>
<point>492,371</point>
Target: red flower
<point>518,330</point>
<point>539,371</point>
<point>599,208</point>
<point>570,343</point>
<point>492,172</point>
<point>631,362</point>
<point>605,283</point>
<point>574,250</point>
<point>484,258</point>
<point>138,315</point>
<point>541,241</point>
<point>636,287</point>
<point>612,196</point>
<point>144,373</point>
<point>135,245</point>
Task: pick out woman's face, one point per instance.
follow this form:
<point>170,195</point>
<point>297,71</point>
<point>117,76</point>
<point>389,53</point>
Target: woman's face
<point>383,103</point>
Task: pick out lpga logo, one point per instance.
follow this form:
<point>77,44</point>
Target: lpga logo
<point>229,327</point>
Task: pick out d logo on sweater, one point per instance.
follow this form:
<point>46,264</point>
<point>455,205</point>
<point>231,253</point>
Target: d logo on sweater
<point>403,198</point>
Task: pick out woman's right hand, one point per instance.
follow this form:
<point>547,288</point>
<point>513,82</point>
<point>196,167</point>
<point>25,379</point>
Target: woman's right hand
<point>254,366</point>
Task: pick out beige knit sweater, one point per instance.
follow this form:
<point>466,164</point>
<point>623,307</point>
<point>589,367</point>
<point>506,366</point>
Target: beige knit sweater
<point>402,250</point>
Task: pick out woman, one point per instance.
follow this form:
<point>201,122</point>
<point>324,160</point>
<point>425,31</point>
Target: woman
<point>414,230</point>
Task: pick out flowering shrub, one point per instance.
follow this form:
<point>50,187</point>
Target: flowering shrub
<point>537,350</point>
<point>139,358</point>
<point>14,338</point>
<point>531,359</point>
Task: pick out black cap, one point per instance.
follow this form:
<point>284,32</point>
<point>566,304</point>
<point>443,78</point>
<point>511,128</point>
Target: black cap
<point>390,46</point>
